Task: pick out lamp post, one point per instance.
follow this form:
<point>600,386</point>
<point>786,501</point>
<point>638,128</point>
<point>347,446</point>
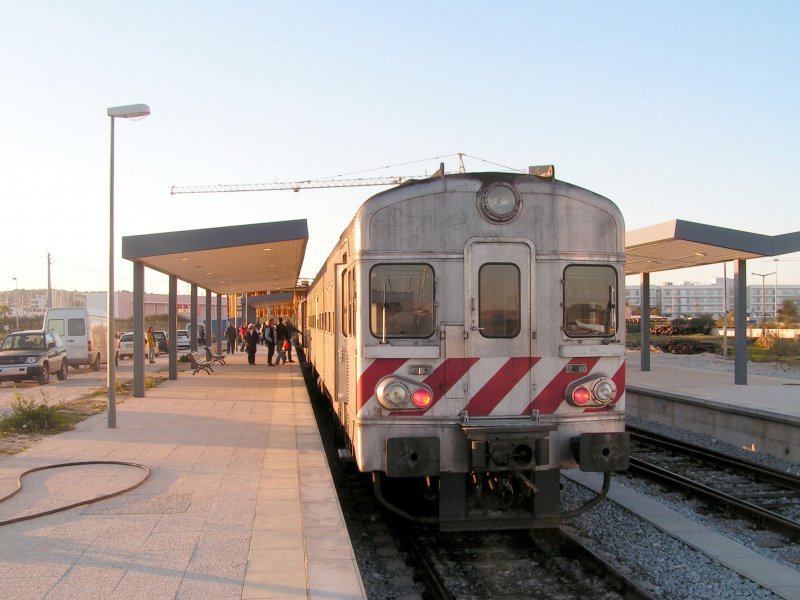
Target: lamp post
<point>776,289</point>
<point>16,301</point>
<point>763,300</point>
<point>131,111</point>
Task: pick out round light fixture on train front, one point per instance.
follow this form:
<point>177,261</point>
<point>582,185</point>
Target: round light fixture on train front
<point>581,396</point>
<point>499,202</point>
<point>421,398</point>
<point>394,393</point>
<point>604,390</point>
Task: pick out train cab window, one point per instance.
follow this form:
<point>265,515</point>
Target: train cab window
<point>401,301</point>
<point>590,301</point>
<point>499,300</point>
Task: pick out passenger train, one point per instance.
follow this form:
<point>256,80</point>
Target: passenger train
<point>467,331</point>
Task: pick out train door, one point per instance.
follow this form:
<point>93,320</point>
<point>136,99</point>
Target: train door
<point>340,336</point>
<point>500,326</point>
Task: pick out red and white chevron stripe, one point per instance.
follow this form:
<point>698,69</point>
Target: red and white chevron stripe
<point>495,385</point>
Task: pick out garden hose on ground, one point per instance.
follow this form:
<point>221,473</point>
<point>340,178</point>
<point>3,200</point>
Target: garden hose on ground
<point>82,502</point>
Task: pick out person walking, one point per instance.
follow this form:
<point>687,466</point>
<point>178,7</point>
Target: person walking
<point>269,340</point>
<point>251,343</point>
<point>290,332</point>
<point>151,345</point>
<point>230,337</point>
<point>242,332</point>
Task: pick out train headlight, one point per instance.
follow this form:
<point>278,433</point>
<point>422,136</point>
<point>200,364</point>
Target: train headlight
<point>604,390</point>
<point>397,393</point>
<point>594,391</point>
<point>499,202</point>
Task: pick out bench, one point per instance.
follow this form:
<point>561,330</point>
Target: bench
<point>199,363</point>
<point>213,358</point>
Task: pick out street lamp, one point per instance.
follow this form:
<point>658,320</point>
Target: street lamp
<point>131,111</point>
<point>16,301</point>
<point>763,300</point>
<point>776,289</point>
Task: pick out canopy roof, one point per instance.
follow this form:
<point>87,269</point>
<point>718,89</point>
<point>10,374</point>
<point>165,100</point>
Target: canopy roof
<point>226,260</point>
<point>679,244</point>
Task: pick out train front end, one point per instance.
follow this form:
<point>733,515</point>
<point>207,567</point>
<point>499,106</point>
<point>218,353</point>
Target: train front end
<point>487,350</point>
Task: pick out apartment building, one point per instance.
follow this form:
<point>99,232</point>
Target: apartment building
<point>692,299</point>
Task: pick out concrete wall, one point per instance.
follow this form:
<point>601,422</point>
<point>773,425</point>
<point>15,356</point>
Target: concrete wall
<point>773,435</point>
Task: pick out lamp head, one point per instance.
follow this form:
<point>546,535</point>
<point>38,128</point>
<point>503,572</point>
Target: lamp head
<point>130,111</point>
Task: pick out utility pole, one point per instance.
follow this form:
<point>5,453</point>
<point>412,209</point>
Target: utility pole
<point>16,301</point>
<point>49,287</point>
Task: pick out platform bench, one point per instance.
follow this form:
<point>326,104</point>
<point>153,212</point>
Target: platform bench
<point>213,357</point>
<point>200,363</point>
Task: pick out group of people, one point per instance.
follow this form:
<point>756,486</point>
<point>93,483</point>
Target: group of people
<point>277,339</point>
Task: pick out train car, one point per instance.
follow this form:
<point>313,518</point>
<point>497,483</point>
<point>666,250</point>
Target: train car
<point>467,331</point>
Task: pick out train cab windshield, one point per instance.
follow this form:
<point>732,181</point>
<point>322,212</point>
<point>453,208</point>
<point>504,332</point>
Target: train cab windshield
<point>590,305</point>
<point>401,301</point>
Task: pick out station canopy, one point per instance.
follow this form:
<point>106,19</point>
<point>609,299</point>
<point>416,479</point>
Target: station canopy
<point>246,258</point>
<point>226,260</point>
<point>680,244</point>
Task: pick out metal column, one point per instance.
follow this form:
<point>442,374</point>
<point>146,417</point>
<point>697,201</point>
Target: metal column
<point>138,329</point>
<point>644,322</point>
<point>173,327</point>
<point>740,321</point>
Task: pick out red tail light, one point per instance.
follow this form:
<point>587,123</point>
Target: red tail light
<point>421,398</point>
<point>581,395</point>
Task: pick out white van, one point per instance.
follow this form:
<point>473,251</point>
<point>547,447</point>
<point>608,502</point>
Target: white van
<point>85,334</point>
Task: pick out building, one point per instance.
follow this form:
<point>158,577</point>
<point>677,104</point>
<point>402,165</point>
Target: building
<point>692,299</point>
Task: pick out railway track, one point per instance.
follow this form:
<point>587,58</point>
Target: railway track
<point>546,563</point>
<point>768,497</point>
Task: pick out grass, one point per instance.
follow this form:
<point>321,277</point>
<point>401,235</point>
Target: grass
<point>758,350</point>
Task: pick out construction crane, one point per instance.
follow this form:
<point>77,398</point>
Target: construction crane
<point>296,186</point>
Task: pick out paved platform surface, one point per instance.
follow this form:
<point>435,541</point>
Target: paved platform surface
<point>239,503</point>
<point>770,395</point>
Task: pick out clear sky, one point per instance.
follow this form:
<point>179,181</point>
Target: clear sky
<point>686,110</point>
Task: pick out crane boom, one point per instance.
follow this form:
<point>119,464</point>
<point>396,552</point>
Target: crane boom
<point>286,185</point>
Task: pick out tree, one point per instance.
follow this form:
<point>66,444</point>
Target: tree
<point>788,311</point>
<point>4,310</point>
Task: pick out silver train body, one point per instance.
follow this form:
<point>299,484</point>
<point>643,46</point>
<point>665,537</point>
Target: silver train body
<point>468,332</point>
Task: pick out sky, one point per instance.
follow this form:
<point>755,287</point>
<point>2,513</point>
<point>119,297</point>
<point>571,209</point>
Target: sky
<point>676,110</point>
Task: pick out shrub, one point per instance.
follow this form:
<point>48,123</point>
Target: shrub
<point>29,417</point>
<point>786,347</point>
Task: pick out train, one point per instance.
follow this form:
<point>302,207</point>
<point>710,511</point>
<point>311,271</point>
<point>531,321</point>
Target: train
<point>468,330</point>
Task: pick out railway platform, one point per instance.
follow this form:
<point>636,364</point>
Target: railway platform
<point>239,502</point>
<point>763,415</point>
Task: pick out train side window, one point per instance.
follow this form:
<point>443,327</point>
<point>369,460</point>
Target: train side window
<point>401,298</point>
<point>499,300</point>
<point>590,300</point>
<point>353,306</point>
<point>344,318</point>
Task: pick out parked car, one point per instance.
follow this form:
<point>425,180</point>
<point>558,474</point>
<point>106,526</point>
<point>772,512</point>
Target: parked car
<point>125,346</point>
<point>182,340</point>
<point>34,354</point>
<point>162,342</point>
